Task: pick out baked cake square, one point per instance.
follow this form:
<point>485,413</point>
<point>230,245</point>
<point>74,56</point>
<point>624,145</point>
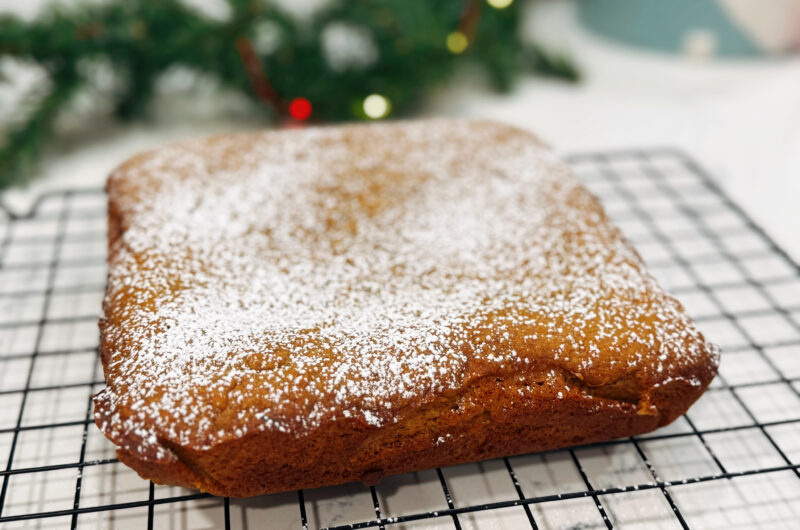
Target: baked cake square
<point>303,308</point>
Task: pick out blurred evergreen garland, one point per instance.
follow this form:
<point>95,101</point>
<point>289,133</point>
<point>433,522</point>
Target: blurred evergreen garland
<point>415,44</point>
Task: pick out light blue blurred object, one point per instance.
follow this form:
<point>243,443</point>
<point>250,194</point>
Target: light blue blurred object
<point>698,27</point>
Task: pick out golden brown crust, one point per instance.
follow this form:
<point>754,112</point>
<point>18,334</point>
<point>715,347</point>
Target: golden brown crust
<point>270,462</point>
<point>514,377</point>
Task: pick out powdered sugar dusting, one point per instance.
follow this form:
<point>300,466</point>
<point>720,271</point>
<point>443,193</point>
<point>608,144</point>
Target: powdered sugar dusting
<point>281,280</point>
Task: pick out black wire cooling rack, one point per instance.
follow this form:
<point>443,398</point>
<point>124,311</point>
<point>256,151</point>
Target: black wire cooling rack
<point>731,461</point>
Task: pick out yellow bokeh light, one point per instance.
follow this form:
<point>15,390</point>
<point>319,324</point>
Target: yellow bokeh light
<point>457,42</point>
<point>376,106</point>
<point>499,4</point>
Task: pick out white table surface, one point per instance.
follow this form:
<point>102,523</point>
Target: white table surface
<point>740,119</point>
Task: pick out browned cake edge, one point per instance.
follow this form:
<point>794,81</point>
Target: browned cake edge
<point>495,423</point>
<point>486,418</point>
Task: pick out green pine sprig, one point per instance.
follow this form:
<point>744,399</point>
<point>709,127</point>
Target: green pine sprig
<point>144,39</point>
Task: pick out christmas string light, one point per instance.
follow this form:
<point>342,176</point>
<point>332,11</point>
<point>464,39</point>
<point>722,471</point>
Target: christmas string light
<point>499,4</point>
<point>457,42</point>
<point>376,106</point>
<point>300,109</point>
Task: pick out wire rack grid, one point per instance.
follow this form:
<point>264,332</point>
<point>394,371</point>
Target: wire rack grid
<point>732,461</point>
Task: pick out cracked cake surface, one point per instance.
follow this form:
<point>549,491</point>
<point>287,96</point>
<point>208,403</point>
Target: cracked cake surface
<point>302,308</point>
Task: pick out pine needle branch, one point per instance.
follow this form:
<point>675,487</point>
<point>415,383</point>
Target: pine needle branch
<point>23,144</point>
<point>143,39</point>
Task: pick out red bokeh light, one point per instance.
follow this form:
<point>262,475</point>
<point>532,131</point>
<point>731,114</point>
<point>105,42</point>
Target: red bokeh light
<point>300,108</point>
